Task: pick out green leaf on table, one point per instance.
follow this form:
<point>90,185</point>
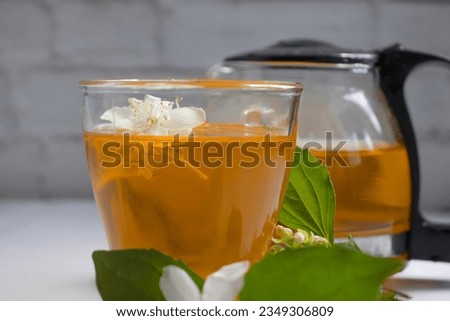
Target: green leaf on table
<point>309,203</point>
<point>133,275</point>
<point>318,274</point>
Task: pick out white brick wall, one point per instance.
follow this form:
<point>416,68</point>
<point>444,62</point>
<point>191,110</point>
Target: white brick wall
<point>22,159</point>
<point>422,25</point>
<point>107,32</point>
<point>47,46</point>
<point>199,35</point>
<point>25,32</point>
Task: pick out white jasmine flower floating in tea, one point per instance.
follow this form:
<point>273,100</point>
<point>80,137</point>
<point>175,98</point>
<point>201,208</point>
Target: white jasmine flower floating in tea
<point>155,116</point>
<point>222,285</point>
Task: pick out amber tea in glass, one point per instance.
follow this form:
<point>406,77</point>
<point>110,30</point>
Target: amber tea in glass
<point>210,194</point>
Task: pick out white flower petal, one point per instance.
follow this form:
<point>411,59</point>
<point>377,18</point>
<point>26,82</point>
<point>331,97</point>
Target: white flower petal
<point>133,102</point>
<point>152,99</point>
<point>120,117</point>
<point>167,105</point>
<point>177,285</point>
<point>154,116</point>
<point>225,284</point>
<point>185,117</point>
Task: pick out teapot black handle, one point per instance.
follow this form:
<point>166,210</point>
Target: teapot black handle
<point>426,241</point>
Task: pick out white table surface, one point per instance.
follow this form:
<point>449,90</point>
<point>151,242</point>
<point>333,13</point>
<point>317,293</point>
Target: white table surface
<point>46,246</point>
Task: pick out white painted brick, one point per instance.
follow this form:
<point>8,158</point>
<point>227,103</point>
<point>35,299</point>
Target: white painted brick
<point>200,35</point>
<point>48,100</point>
<point>21,162</point>
<point>65,169</point>
<point>25,32</point>
<point>418,25</point>
<point>8,114</point>
<point>119,33</point>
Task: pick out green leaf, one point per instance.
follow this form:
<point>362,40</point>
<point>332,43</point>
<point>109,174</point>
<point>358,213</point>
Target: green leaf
<point>133,275</point>
<point>392,295</point>
<point>309,203</point>
<point>350,245</point>
<point>318,274</point>
<point>388,295</point>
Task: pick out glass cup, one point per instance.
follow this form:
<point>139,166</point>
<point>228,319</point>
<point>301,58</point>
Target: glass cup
<point>196,169</point>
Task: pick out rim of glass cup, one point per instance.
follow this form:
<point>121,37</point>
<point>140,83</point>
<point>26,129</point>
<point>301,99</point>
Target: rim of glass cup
<point>173,84</point>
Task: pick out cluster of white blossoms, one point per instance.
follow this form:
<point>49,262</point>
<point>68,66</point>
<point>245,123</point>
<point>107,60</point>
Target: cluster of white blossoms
<point>285,237</point>
<point>155,116</point>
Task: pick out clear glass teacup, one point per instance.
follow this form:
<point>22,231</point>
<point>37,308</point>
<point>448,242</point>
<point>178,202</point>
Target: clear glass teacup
<point>196,169</point>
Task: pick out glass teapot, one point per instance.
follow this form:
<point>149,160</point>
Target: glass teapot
<point>354,118</point>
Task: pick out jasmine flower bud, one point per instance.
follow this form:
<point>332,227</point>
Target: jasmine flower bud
<point>286,238</point>
<point>298,240</point>
<point>276,248</point>
<point>284,233</point>
<point>319,241</point>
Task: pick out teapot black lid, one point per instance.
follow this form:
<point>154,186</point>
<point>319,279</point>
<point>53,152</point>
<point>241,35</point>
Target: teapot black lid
<point>307,50</point>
